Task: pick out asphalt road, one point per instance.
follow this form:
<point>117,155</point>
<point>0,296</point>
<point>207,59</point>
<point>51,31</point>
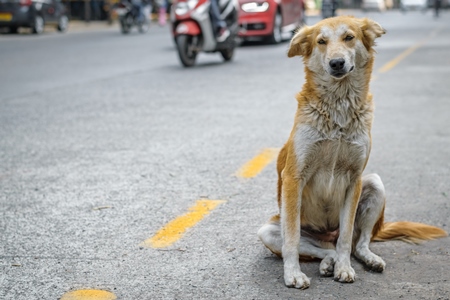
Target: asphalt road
<point>105,138</point>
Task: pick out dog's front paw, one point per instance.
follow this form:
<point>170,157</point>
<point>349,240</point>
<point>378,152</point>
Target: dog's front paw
<point>372,261</point>
<point>375,263</point>
<point>343,272</point>
<point>296,279</point>
<point>326,267</point>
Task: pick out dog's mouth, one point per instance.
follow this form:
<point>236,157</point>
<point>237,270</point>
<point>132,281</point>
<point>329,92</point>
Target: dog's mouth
<point>341,73</point>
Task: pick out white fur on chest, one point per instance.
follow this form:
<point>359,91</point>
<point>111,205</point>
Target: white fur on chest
<point>338,154</point>
<point>327,163</point>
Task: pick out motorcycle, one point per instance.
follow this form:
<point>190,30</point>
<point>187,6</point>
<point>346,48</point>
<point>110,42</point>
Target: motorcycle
<point>193,30</point>
<point>129,16</point>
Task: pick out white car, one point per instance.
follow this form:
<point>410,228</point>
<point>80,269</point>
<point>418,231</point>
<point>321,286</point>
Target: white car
<point>378,5</point>
<point>413,5</point>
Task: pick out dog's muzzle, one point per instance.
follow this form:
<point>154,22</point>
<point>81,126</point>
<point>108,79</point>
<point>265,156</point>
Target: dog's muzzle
<point>337,67</point>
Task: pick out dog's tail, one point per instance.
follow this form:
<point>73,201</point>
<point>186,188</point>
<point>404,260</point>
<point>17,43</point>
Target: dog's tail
<point>409,232</point>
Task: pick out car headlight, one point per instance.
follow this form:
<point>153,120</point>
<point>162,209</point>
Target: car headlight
<point>183,7</point>
<point>255,6</point>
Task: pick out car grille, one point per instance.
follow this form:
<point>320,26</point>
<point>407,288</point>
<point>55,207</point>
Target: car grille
<point>253,26</point>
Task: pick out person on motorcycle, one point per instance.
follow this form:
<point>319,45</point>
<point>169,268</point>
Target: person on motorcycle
<point>138,6</point>
<point>219,24</point>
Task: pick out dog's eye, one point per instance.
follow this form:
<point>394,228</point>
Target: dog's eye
<point>348,38</point>
<point>322,42</point>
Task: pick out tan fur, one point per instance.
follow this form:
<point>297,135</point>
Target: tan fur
<point>323,198</point>
<point>410,232</point>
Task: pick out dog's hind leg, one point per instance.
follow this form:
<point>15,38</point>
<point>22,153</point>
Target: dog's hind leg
<point>369,214</point>
<point>270,235</point>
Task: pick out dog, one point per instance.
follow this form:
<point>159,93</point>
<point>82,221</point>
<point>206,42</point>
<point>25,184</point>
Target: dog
<point>327,208</point>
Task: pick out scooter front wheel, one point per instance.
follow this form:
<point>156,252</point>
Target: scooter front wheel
<point>186,50</point>
<point>227,54</point>
<point>124,27</point>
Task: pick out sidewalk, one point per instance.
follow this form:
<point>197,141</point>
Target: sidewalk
<point>339,12</point>
<point>79,26</point>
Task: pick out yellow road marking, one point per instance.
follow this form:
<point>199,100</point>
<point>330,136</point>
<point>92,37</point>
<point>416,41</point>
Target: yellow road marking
<point>399,58</point>
<point>175,229</point>
<point>89,295</point>
<point>389,65</point>
<point>258,163</point>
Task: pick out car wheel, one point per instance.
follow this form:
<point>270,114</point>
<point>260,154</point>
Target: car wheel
<point>303,19</point>
<point>63,23</point>
<point>275,37</point>
<point>38,25</point>
<point>13,29</point>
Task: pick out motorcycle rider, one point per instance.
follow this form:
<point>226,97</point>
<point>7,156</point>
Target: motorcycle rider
<point>138,6</point>
<point>219,24</point>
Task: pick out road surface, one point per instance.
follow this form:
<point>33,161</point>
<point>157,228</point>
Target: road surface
<point>105,139</point>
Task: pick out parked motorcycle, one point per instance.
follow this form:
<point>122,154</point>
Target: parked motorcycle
<point>129,16</point>
<point>193,30</point>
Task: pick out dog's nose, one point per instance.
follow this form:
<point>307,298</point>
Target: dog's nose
<point>337,64</point>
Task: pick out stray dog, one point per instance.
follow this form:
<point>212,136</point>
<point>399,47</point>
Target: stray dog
<point>328,209</point>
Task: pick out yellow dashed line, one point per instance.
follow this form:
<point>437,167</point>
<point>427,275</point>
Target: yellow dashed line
<point>258,163</point>
<point>89,295</point>
<point>399,58</point>
<point>175,229</point>
<point>388,66</point>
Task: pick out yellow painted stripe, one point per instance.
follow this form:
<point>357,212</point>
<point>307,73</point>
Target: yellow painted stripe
<point>88,295</point>
<point>388,66</point>
<point>258,163</point>
<point>175,229</point>
<point>399,58</point>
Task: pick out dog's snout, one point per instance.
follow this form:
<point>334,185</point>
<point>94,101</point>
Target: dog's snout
<point>337,64</point>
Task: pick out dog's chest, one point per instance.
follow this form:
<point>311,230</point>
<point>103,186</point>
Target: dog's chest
<point>328,165</point>
<point>333,136</point>
<point>336,163</point>
<point>335,140</point>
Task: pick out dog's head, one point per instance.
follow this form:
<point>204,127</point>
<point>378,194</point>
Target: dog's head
<point>336,46</point>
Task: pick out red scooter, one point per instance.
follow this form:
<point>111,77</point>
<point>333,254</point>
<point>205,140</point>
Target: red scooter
<point>193,29</point>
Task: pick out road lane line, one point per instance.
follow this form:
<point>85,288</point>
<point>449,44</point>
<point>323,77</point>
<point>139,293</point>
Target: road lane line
<point>89,295</point>
<point>258,163</point>
<point>175,229</point>
<point>389,65</point>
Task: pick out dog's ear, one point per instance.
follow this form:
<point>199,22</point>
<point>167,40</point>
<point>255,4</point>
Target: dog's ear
<point>371,30</point>
<point>301,42</point>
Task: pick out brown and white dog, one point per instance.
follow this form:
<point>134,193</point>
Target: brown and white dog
<point>328,209</point>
